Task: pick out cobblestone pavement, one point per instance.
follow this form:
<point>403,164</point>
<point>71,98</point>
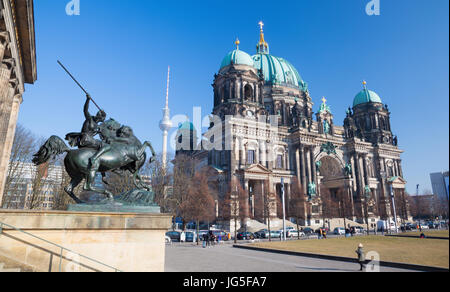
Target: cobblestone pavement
<point>188,257</point>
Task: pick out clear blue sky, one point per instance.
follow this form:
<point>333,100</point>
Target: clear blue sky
<point>120,51</point>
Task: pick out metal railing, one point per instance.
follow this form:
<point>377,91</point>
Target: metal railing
<point>61,249</point>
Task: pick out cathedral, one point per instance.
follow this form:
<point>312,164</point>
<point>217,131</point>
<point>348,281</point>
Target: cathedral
<point>268,139</point>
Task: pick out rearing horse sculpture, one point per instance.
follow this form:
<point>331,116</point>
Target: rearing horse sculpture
<point>118,157</point>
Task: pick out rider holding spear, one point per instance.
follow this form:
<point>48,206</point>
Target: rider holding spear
<point>90,128</point>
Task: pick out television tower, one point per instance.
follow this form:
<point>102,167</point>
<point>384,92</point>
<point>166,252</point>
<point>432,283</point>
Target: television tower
<point>165,124</point>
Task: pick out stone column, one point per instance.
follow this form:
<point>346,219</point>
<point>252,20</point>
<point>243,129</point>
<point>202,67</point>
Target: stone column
<point>287,161</point>
<point>313,165</point>
<point>400,168</point>
<point>366,174</point>
<point>303,168</point>
<point>297,165</point>
<point>287,198</point>
<point>361,173</point>
<point>308,164</point>
<point>354,177</point>
<point>10,102</point>
<point>4,41</point>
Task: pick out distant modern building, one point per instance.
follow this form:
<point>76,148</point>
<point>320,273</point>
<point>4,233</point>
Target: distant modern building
<point>266,137</point>
<point>32,187</point>
<point>17,67</point>
<point>439,183</point>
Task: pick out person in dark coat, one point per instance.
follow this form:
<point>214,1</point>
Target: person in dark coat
<point>361,256</point>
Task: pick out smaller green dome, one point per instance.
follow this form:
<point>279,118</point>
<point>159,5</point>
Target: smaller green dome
<point>366,96</point>
<point>237,57</point>
<point>186,126</point>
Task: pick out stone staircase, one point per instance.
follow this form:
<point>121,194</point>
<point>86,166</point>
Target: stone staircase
<point>5,270</point>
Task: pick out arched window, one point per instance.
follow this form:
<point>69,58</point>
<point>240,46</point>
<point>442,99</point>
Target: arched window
<point>248,92</point>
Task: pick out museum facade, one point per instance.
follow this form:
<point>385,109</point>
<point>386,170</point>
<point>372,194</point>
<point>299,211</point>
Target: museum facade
<point>17,67</point>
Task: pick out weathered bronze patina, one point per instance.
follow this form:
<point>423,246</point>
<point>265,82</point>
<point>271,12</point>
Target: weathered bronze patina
<point>116,151</point>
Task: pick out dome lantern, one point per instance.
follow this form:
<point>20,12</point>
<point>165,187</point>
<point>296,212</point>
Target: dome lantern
<point>262,47</point>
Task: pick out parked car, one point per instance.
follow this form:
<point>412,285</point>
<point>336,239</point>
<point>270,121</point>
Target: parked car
<point>339,231</point>
<point>190,236</point>
<point>360,229</point>
<point>308,231</point>
<point>405,227</point>
<point>174,235</point>
<point>294,233</point>
<point>263,233</point>
<point>245,236</point>
<point>168,240</point>
<point>276,233</point>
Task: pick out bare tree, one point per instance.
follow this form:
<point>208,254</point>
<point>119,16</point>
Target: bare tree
<point>330,205</point>
<point>422,206</point>
<point>60,198</point>
<point>441,207</point>
<point>161,179</point>
<point>23,148</point>
<point>198,204</point>
<point>297,203</point>
<point>344,205</point>
<point>183,173</point>
<point>266,206</point>
<point>234,206</point>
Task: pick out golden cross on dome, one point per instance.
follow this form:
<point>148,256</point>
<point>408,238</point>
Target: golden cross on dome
<point>324,100</point>
<point>237,43</point>
<point>261,25</point>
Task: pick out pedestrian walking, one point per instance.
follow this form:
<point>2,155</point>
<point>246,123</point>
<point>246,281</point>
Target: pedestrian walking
<point>361,256</point>
<point>204,244</point>
<point>324,234</point>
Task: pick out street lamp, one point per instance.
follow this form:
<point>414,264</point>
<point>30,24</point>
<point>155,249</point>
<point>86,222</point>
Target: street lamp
<point>391,192</point>
<point>284,209</point>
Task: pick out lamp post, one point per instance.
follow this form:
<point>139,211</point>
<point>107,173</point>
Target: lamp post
<point>284,209</point>
<point>391,190</point>
<point>391,193</point>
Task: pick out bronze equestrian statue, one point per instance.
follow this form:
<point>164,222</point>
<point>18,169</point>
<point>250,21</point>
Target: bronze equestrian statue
<point>117,151</point>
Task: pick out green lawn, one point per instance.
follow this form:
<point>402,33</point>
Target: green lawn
<point>428,252</point>
<point>428,233</point>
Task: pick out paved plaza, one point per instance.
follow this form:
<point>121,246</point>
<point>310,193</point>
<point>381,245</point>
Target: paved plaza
<point>188,257</point>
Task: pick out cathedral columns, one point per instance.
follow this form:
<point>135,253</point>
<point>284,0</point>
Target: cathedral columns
<point>313,165</point>
<point>297,165</point>
<point>400,168</point>
<point>366,173</point>
<point>308,164</point>
<point>354,176</point>
<point>303,168</point>
<point>287,161</point>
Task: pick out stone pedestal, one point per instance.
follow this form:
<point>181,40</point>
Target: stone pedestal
<point>127,242</point>
<point>115,208</point>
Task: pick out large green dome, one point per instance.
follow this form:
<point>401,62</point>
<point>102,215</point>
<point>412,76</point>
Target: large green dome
<point>366,96</point>
<point>278,71</point>
<point>237,57</point>
<point>275,70</point>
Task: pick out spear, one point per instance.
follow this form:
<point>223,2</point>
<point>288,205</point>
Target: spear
<point>73,78</point>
